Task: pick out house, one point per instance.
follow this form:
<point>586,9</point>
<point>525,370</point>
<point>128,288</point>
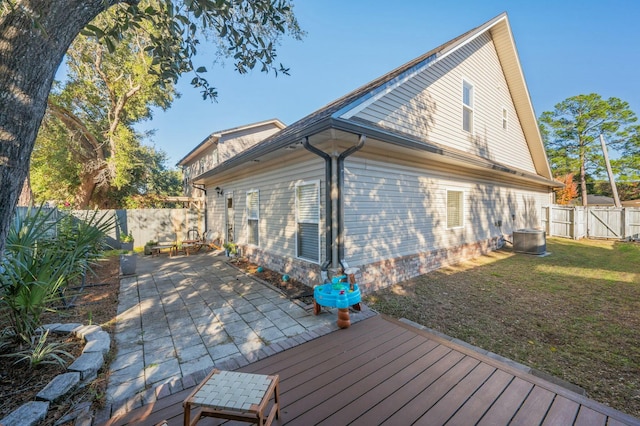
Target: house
<point>220,146</point>
<point>432,163</point>
<point>597,200</point>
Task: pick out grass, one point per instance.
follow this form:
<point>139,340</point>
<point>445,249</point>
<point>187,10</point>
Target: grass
<point>574,314</point>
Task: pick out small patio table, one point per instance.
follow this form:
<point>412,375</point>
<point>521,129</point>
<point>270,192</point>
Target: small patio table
<point>235,396</point>
<point>191,246</point>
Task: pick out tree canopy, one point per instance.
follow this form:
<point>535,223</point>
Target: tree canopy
<point>36,35</point>
<point>87,144</point>
<point>571,133</point>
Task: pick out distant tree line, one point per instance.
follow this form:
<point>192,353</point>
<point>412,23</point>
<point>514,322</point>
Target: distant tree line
<point>571,133</point>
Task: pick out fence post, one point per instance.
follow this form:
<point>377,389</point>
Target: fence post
<point>548,218</point>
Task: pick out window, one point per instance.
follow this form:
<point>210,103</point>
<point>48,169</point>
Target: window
<point>455,209</point>
<point>467,106</point>
<point>253,216</point>
<point>504,118</point>
<point>308,221</point>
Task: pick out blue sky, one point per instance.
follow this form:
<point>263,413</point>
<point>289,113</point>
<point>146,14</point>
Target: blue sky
<point>566,48</point>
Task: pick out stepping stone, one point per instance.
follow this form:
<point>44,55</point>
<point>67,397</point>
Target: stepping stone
<point>29,414</point>
<point>59,386</point>
<point>87,365</point>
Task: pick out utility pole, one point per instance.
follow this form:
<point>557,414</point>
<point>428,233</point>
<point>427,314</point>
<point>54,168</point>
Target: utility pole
<point>614,189</point>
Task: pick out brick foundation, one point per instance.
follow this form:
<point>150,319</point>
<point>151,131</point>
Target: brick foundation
<point>305,272</point>
<point>377,275</point>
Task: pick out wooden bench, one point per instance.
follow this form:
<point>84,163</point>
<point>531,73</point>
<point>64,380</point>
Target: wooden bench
<point>157,249</point>
<point>165,241</point>
<point>234,396</point>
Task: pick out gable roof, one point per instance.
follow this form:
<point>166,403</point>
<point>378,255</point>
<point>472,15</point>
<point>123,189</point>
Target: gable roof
<point>338,114</point>
<point>218,134</point>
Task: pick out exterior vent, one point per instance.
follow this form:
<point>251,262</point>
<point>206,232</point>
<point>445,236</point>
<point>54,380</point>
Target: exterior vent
<point>529,241</point>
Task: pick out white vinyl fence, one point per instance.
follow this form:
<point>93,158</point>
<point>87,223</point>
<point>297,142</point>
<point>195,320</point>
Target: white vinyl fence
<point>622,223</point>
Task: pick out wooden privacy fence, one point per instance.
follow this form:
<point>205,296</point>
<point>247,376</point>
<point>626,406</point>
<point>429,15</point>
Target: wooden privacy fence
<point>622,223</point>
<point>145,224</point>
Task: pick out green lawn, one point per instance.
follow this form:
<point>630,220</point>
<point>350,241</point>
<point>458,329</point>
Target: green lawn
<point>574,314</point>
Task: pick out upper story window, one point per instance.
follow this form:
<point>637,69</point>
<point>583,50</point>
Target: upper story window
<point>467,106</point>
<point>504,118</point>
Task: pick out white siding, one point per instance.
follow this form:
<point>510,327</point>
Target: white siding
<point>234,143</point>
<point>429,106</point>
<point>207,160</point>
<point>396,210</point>
<point>277,204</point>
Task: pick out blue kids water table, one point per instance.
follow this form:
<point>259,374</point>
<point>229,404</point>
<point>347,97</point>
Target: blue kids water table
<point>337,294</point>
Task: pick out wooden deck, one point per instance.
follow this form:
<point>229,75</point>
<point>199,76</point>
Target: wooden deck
<point>381,371</point>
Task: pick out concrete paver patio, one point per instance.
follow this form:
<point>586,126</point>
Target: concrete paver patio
<point>179,316</point>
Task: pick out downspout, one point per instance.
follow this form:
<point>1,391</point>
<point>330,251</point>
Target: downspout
<point>340,210</point>
<point>335,217</point>
<point>327,203</point>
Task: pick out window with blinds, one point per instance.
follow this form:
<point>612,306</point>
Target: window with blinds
<point>455,209</point>
<point>253,217</point>
<point>308,221</point>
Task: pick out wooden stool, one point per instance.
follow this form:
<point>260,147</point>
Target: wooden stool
<point>234,396</point>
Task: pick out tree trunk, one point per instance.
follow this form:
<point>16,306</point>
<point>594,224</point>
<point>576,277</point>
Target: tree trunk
<point>26,195</point>
<point>583,181</point>
<point>33,41</point>
<point>85,191</point>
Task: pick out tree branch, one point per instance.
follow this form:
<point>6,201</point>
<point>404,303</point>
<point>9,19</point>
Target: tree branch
<point>74,124</point>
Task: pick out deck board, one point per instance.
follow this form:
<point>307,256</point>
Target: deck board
<point>562,412</point>
<point>375,388</point>
<point>425,400</point>
<point>312,405</point>
<point>589,417</point>
<point>380,370</point>
<point>534,408</point>
<point>475,407</point>
<point>506,405</point>
<point>447,406</point>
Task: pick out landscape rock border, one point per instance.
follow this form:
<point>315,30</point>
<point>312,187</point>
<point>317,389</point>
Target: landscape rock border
<point>79,374</point>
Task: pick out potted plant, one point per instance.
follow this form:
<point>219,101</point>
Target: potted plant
<point>148,245</point>
<point>230,248</point>
<point>126,241</point>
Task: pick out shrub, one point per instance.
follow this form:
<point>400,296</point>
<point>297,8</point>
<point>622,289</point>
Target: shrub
<point>43,253</point>
<point>39,352</point>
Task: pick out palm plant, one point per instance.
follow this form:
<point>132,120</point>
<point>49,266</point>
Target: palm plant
<point>43,253</point>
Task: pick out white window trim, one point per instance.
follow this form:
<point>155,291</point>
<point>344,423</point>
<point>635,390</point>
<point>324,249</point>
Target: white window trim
<point>249,217</point>
<point>227,195</point>
<point>462,207</point>
<point>317,184</point>
<point>472,107</point>
<point>505,118</point>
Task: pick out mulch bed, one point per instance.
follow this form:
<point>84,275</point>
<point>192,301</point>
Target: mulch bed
<point>95,304</point>
<point>292,289</point>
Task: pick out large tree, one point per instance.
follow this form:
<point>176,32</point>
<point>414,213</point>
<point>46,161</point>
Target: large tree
<point>572,130</point>
<point>35,35</point>
<point>87,142</point>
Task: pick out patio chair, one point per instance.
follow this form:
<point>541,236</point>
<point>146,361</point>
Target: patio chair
<point>211,241</point>
<point>193,243</point>
<point>193,234</point>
